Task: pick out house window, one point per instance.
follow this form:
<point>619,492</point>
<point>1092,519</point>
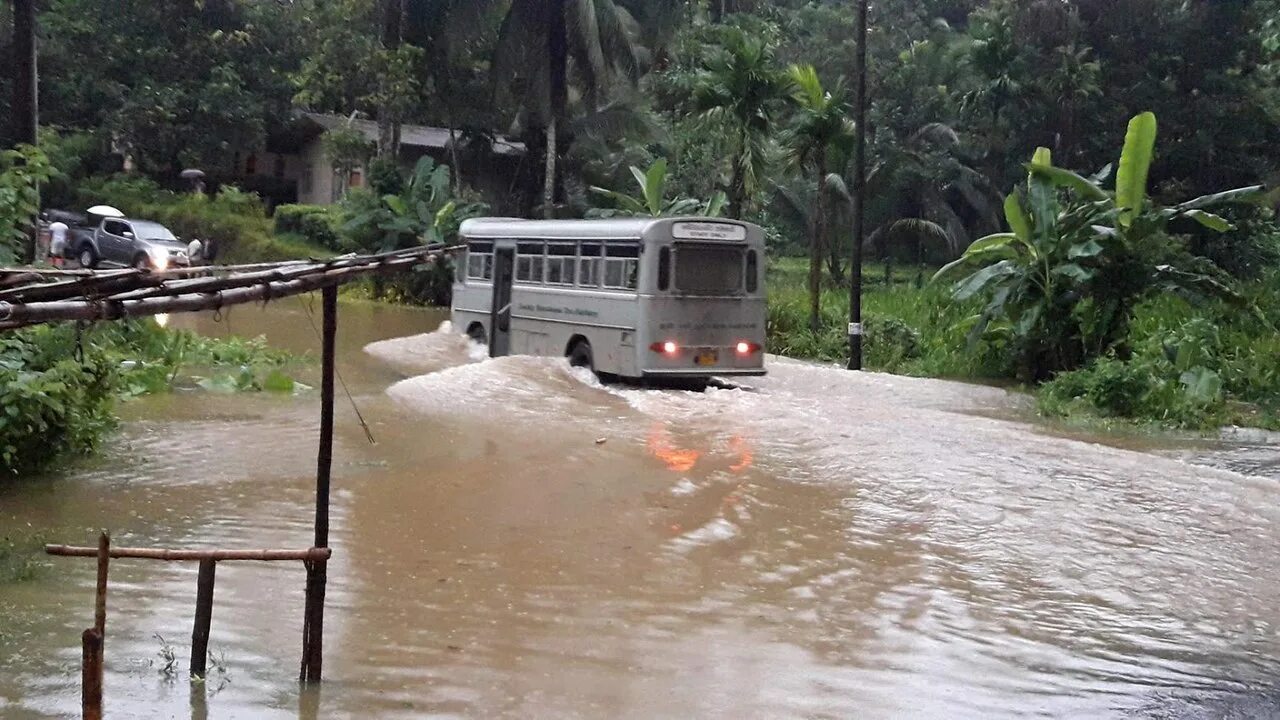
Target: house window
<point>251,165</point>
<point>280,166</point>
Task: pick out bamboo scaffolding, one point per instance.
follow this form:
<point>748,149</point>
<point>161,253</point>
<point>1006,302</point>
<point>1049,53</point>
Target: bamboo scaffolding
<point>14,315</point>
<point>308,555</point>
<point>26,285</point>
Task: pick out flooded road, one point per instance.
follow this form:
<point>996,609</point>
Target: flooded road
<point>524,542</point>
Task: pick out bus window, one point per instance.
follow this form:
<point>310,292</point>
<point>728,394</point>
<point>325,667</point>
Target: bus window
<point>560,257</point>
<point>664,269</point>
<point>589,265</point>
<point>621,266</point>
<point>753,272</point>
<point>529,259</point>
<point>708,269</point>
<point>480,261</point>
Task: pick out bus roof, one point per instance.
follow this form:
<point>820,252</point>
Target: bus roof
<point>612,229</point>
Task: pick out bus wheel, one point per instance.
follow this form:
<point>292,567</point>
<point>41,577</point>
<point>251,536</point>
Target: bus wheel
<point>580,355</point>
<point>476,333</point>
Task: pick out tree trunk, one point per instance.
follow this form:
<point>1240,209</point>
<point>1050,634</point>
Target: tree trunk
<point>25,105</point>
<point>549,175</point>
<point>558,89</point>
<point>737,185</point>
<point>815,251</point>
<point>388,123</point>
<point>455,172</point>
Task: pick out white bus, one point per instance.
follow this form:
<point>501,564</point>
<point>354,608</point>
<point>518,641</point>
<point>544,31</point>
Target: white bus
<point>642,298</point>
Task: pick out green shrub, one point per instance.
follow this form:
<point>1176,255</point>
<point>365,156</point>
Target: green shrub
<point>890,342</point>
<point>316,224</point>
<point>235,222</point>
<point>57,391</point>
<point>51,404</point>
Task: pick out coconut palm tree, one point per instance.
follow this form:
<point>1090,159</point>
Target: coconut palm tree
<point>821,129</point>
<point>544,44</point>
<point>740,88</point>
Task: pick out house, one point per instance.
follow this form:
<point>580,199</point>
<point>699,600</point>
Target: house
<point>294,166</point>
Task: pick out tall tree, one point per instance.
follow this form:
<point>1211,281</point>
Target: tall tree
<point>740,87</point>
<point>821,124</point>
<point>544,44</point>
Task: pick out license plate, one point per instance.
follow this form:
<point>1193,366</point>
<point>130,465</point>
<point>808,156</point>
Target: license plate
<point>706,357</point>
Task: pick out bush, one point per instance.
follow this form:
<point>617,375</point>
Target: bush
<point>315,224</point>
<point>234,222</point>
<point>52,404</point>
<point>57,393</point>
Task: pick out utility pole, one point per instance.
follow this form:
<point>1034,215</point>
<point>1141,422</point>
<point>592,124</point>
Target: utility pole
<point>859,191</point>
<point>25,109</point>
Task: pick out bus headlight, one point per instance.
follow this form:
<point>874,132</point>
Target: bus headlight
<point>747,348</point>
<point>667,348</point>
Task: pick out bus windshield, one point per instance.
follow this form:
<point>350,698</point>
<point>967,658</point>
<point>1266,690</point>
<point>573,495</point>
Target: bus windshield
<point>708,269</point>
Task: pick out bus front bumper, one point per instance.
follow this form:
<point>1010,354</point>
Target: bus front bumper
<point>691,373</point>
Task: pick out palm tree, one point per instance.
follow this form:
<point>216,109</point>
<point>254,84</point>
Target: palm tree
<point>740,87</point>
<point>925,193</point>
<point>542,44</point>
<point>821,127</point>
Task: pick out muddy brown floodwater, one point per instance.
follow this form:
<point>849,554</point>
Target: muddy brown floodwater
<point>523,542</point>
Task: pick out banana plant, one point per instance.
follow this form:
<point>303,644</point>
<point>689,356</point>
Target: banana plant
<point>652,201</point>
<point>1062,282</point>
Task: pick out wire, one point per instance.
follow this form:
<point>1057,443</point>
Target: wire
<point>311,319</point>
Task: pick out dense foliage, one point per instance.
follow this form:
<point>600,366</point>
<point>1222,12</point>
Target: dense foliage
<point>59,384</point>
<point>698,99</point>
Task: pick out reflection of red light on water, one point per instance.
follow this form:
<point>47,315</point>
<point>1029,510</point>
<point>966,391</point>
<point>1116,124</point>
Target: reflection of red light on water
<point>676,459</point>
<point>740,447</point>
<point>683,460</point>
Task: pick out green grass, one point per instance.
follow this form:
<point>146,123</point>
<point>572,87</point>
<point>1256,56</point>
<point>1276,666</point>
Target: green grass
<point>907,329</point>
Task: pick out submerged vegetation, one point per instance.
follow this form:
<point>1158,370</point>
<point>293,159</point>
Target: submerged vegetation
<point>59,384</point>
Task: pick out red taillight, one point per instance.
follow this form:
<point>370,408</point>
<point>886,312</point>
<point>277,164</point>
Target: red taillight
<point>746,348</point>
<point>667,347</point>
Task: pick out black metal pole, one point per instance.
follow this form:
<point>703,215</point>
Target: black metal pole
<point>859,192</point>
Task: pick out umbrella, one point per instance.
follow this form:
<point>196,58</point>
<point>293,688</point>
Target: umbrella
<point>191,174</point>
<point>105,211</point>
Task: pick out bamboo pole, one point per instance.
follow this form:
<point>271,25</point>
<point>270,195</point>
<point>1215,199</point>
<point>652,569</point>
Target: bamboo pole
<point>18,315</point>
<point>99,284</point>
<point>93,640</point>
<point>204,617</point>
<point>308,555</point>
<point>91,675</point>
<point>313,615</point>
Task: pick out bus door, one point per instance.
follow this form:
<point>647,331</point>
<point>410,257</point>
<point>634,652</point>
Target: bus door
<point>504,266</point>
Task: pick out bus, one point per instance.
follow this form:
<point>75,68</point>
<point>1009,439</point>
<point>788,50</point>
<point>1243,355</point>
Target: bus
<point>654,299</point>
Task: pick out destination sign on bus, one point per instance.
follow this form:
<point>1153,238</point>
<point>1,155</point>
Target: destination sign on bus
<point>708,231</point>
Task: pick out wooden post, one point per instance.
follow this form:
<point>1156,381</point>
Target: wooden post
<point>93,640</point>
<point>204,617</point>
<point>91,675</point>
<point>313,618</point>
